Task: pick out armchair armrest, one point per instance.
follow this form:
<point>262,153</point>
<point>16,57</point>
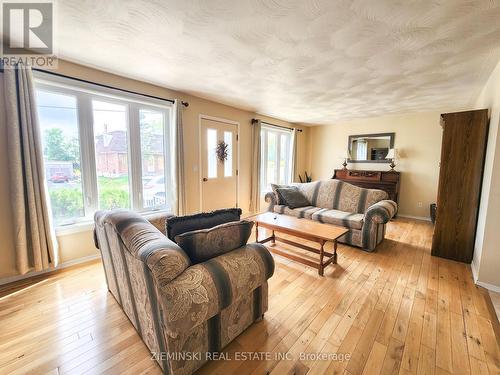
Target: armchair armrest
<point>270,198</point>
<point>165,259</point>
<point>381,212</point>
<point>144,241</point>
<point>203,290</point>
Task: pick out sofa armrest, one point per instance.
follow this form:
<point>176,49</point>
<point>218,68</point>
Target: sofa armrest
<point>270,198</point>
<point>381,212</point>
<point>204,289</point>
<point>142,240</point>
<point>166,260</point>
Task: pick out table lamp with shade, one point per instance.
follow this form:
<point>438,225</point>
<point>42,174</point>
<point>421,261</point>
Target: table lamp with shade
<point>392,155</point>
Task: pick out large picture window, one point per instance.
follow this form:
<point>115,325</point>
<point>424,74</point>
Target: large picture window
<point>103,149</point>
<point>275,156</point>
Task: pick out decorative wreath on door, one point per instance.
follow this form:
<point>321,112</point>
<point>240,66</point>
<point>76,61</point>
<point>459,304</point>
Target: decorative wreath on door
<point>221,151</point>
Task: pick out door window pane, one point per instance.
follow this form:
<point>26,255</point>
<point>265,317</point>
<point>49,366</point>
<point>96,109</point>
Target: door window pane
<point>152,126</point>
<point>228,164</point>
<point>58,118</point>
<point>211,155</point>
<point>111,148</point>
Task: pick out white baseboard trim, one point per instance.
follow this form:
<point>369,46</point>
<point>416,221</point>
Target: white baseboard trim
<point>425,218</point>
<point>69,263</point>
<point>475,276</point>
<point>493,288</point>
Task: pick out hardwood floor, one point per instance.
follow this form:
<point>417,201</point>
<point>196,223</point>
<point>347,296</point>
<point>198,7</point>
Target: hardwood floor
<point>397,310</point>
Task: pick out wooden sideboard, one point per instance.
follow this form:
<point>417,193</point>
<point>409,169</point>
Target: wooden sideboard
<point>387,181</point>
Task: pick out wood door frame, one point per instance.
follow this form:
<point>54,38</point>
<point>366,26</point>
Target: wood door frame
<point>200,168</point>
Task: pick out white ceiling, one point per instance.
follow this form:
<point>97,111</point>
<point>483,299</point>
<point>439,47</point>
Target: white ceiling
<point>312,61</point>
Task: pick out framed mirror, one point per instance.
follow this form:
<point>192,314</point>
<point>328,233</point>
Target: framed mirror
<point>370,148</point>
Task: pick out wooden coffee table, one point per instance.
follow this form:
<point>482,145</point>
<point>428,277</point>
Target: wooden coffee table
<point>301,228</point>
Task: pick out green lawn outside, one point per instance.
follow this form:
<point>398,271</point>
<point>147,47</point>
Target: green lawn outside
<point>113,192</point>
<point>67,201</point>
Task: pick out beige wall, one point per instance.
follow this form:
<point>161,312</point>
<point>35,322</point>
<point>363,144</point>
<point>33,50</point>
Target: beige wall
<point>191,114</point>
<point>486,261</point>
<point>76,245</point>
<point>418,139</point>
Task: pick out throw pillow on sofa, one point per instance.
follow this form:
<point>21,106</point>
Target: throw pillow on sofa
<point>292,197</point>
<point>176,225</point>
<point>279,199</point>
<point>201,245</point>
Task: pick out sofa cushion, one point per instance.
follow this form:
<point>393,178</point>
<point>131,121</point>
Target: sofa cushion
<point>180,224</point>
<point>326,195</point>
<point>275,188</point>
<point>340,195</point>
<point>340,218</point>
<point>319,193</point>
<point>353,198</point>
<point>302,212</point>
<point>292,197</point>
<point>201,245</point>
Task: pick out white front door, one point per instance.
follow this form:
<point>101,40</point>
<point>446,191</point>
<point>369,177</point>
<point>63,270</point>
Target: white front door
<point>219,184</point>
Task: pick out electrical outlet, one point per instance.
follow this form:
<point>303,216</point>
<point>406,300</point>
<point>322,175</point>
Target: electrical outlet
<point>419,204</point>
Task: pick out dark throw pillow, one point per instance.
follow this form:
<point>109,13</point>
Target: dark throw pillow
<point>181,224</point>
<point>275,188</point>
<point>204,244</point>
<point>293,198</point>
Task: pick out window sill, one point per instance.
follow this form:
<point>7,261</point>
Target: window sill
<point>88,225</point>
<point>82,226</point>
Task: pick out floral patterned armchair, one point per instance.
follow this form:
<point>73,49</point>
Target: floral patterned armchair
<point>174,305</point>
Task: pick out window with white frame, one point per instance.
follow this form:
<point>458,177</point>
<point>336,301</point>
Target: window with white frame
<point>276,156</point>
<point>103,149</point>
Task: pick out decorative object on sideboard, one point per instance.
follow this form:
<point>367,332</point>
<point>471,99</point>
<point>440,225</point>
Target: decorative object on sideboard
<point>392,155</point>
<point>387,181</point>
<point>307,177</point>
<point>346,157</point>
<point>370,148</point>
<point>221,151</point>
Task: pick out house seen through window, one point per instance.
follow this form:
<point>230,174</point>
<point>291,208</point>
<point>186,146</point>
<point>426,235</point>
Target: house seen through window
<point>103,151</point>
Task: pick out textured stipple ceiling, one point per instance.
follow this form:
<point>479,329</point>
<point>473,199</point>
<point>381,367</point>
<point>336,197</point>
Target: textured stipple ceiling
<point>312,61</point>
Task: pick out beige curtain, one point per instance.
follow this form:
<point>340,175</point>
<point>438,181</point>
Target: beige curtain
<point>179,183</point>
<point>255,172</point>
<point>35,243</point>
<point>293,169</point>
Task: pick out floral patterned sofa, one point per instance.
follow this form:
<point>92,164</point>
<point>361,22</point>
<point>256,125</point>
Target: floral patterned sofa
<point>175,306</point>
<point>363,211</point>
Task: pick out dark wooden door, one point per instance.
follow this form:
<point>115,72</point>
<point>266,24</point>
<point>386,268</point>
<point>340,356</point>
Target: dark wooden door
<point>462,159</point>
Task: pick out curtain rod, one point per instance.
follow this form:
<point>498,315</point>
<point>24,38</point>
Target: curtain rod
<point>254,120</point>
<point>185,104</point>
